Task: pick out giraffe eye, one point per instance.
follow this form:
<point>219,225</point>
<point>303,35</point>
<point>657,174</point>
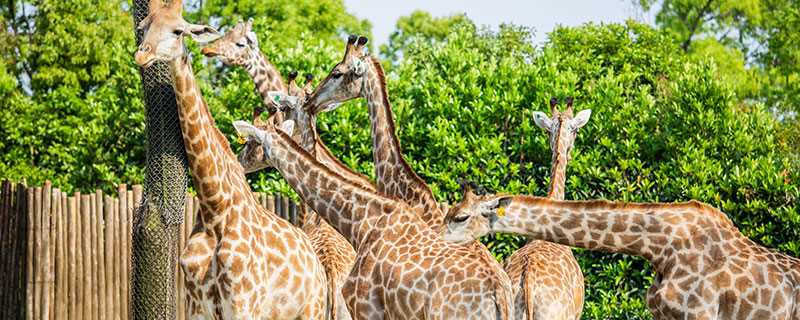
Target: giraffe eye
<point>460,219</point>
<point>240,44</point>
<point>336,74</point>
<point>177,32</point>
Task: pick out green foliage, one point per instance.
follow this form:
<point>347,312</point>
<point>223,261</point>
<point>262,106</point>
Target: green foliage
<point>665,127</point>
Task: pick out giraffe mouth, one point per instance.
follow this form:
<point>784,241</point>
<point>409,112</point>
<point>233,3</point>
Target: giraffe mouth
<point>144,59</point>
<point>209,52</point>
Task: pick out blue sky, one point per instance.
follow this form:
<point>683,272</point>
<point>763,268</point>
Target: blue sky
<point>542,15</point>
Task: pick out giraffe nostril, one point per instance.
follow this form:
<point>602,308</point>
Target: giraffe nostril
<point>145,48</point>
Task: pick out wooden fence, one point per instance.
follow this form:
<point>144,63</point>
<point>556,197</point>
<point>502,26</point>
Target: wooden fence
<point>68,256</point>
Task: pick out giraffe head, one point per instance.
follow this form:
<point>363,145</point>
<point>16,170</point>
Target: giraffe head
<point>473,216</point>
<point>238,46</point>
<point>261,135</point>
<point>164,31</point>
<point>562,128</point>
<point>346,80</point>
<point>289,107</point>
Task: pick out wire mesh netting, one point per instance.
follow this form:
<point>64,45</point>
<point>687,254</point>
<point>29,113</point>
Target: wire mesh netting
<point>157,222</point>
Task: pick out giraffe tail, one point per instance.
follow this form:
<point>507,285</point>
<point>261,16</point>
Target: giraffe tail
<point>330,312</point>
<point>527,293</point>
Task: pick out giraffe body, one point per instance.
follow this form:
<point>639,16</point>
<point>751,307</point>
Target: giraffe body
<point>548,282</point>
<point>239,47</point>
<point>361,75</point>
<point>705,268</point>
<point>403,269</point>
<point>242,261</point>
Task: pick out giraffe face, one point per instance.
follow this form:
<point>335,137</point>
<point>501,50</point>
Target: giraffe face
<point>562,128</point>
<point>238,46</point>
<point>164,30</point>
<point>259,138</point>
<point>346,80</point>
<point>473,217</point>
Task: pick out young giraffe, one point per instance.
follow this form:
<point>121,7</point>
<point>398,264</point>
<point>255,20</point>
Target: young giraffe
<point>404,270</point>
<point>547,280</point>
<point>241,260</point>
<point>239,47</point>
<point>705,268</point>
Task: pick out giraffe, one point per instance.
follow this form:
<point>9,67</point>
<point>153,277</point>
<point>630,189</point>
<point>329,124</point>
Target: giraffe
<point>705,268</point>
<point>241,261</point>
<point>403,270</point>
<point>239,47</point>
<point>548,281</point>
<point>335,253</point>
<point>361,75</point>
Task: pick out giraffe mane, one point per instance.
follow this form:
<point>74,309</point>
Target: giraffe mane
<point>376,65</point>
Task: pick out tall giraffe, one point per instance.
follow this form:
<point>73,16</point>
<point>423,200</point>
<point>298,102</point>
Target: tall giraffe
<point>241,261</point>
<point>361,75</point>
<point>705,268</point>
<point>404,270</point>
<point>548,283</point>
<point>239,47</point>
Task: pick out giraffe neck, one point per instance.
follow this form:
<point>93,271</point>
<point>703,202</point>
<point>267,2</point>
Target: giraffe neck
<point>652,231</point>
<point>349,209</point>
<point>394,177</point>
<point>215,171</point>
<point>558,174</point>
<point>326,158</point>
<point>265,76</point>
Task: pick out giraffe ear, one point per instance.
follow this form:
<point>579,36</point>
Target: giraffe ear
<point>581,119</point>
<point>542,121</point>
<point>203,33</point>
<point>288,127</point>
<point>329,107</point>
<point>245,129</point>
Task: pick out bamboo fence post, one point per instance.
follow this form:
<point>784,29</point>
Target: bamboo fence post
<point>20,277</point>
<point>74,272</point>
<point>128,254</point>
<point>97,309</point>
<point>80,298</point>
<point>30,297</point>
<point>108,253</point>
<point>5,222</point>
<point>101,249</point>
<point>123,251</point>
<point>60,260</point>
<point>45,254</point>
<point>86,255</point>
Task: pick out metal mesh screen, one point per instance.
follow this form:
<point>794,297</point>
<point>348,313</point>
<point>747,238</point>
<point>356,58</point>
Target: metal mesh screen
<point>157,222</point>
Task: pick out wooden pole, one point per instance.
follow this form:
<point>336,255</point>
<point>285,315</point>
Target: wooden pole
<point>20,277</point>
<point>89,305</point>
<point>61,260</point>
<point>101,257</point>
<point>72,254</point>
<point>30,297</point>
<point>5,241</point>
<point>123,250</point>
<point>45,254</point>
<point>108,254</point>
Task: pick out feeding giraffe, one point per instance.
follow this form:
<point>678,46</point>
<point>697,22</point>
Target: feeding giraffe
<point>705,268</point>
<point>547,280</point>
<point>403,270</point>
<point>241,261</point>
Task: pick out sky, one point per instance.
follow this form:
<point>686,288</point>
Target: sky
<point>542,15</point>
